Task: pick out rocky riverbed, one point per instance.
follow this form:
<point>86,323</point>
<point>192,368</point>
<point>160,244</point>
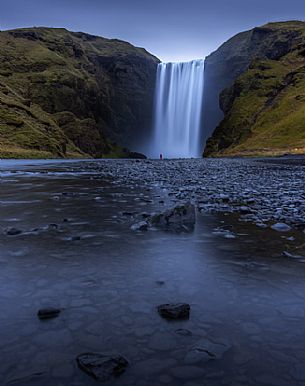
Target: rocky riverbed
<point>142,273</point>
<point>264,192</point>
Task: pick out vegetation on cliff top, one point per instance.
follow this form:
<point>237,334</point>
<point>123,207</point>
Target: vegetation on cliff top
<point>265,107</point>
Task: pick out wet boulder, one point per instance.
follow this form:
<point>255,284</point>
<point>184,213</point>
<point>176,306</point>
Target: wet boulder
<point>13,231</point>
<point>174,311</point>
<point>140,226</point>
<point>181,218</point>
<point>281,227</point>
<point>102,367</point>
<point>48,313</point>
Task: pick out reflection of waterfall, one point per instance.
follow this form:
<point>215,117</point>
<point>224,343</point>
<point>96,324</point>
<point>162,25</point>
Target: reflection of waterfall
<point>179,93</point>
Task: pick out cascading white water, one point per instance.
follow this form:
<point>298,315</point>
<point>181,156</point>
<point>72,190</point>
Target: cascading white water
<point>178,107</point>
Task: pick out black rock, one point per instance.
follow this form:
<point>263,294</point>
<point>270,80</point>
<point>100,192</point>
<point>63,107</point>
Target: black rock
<point>174,311</point>
<point>75,238</point>
<point>135,155</point>
<point>52,227</point>
<point>102,367</point>
<point>48,313</point>
<point>181,218</point>
<point>128,213</point>
<point>245,210</point>
<point>13,231</point>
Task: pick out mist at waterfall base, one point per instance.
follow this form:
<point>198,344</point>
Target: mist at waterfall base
<point>178,110</point>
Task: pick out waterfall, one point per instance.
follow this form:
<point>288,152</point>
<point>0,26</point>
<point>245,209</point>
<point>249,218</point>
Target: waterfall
<point>178,107</point>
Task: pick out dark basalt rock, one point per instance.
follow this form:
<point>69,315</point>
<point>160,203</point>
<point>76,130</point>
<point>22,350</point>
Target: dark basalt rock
<point>174,311</point>
<point>13,231</point>
<point>48,313</point>
<point>102,367</point>
<point>136,155</point>
<point>181,218</point>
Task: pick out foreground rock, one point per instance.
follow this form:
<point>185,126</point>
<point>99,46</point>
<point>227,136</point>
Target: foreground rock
<point>102,367</point>
<point>180,218</point>
<point>174,311</point>
<point>48,313</point>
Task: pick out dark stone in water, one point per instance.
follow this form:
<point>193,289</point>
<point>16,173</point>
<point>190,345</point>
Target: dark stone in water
<point>129,213</point>
<point>180,218</point>
<point>48,313</point>
<point>75,238</point>
<point>52,227</point>
<point>13,231</point>
<point>102,367</point>
<point>206,350</point>
<point>183,332</point>
<point>140,226</point>
<point>174,311</point>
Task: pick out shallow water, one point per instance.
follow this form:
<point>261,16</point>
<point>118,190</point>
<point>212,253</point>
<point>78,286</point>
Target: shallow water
<point>108,279</point>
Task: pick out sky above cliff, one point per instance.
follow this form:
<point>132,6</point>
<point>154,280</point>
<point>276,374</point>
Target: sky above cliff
<point>173,30</point>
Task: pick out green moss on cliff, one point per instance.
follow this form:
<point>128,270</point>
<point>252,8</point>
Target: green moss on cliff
<point>265,107</point>
<point>64,93</point>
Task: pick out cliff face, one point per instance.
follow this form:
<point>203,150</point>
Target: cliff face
<point>258,77</point>
<point>65,93</point>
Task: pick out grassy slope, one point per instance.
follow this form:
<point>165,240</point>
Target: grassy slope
<point>28,132</point>
<point>267,116</point>
<point>48,84</point>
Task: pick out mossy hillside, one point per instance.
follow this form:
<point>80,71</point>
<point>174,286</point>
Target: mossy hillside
<point>265,107</point>
<point>98,81</point>
<point>28,131</point>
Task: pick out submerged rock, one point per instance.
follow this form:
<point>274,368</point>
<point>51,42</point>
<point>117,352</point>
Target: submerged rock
<point>13,231</point>
<point>174,311</point>
<point>48,313</point>
<point>102,367</point>
<point>183,332</point>
<point>206,350</point>
<point>180,218</point>
<point>140,226</point>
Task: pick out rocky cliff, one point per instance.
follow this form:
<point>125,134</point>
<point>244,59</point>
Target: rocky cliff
<point>72,94</point>
<point>257,79</point>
